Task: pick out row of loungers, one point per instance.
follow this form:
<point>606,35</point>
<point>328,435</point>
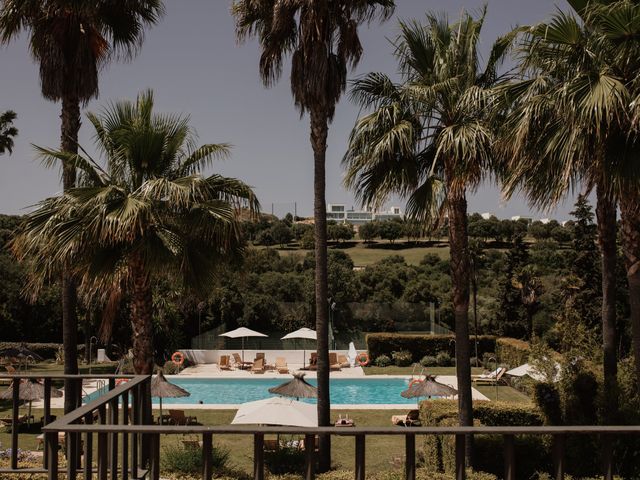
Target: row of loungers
<point>336,362</point>
<point>259,364</point>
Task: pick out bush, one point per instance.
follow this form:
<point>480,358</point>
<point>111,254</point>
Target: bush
<point>382,361</point>
<point>443,359</point>
<point>188,458</point>
<point>421,345</point>
<point>429,361</point>
<point>532,452</point>
<point>47,351</point>
<point>512,352</point>
<point>285,460</point>
<point>403,358</point>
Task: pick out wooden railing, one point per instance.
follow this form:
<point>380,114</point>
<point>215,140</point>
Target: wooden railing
<point>128,444</point>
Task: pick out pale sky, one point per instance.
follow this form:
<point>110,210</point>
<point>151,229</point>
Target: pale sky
<point>193,63</point>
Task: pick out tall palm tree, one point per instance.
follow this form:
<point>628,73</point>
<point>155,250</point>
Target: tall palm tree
<point>7,131</point>
<point>569,123</point>
<point>71,40</point>
<point>147,214</point>
<point>429,138</point>
<point>322,38</point>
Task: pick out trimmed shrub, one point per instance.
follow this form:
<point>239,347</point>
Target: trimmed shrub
<point>403,358</point>
<point>47,351</point>
<point>188,458</point>
<point>512,352</point>
<point>429,361</point>
<point>532,452</point>
<point>382,361</point>
<point>422,345</point>
<point>285,460</point>
<point>443,359</point>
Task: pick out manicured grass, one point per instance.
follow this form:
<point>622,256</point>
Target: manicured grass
<point>366,254</point>
<point>503,393</point>
<point>52,368</point>
<point>393,370</point>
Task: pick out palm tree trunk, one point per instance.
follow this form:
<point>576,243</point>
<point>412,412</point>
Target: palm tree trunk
<point>606,218</point>
<point>70,117</point>
<point>319,130</point>
<point>459,251</point>
<point>630,225</point>
<point>141,318</point>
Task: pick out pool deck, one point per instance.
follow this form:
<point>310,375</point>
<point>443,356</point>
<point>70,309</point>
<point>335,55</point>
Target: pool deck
<point>211,370</point>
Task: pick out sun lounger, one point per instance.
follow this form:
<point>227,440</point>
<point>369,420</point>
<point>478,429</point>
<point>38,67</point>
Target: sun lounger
<point>333,362</point>
<point>281,365</point>
<point>411,419</point>
<point>239,363</point>
<point>224,363</point>
<point>10,370</point>
<point>177,417</point>
<point>313,361</point>
<point>489,378</point>
<point>259,355</point>
<point>343,361</point>
<point>258,366</point>
<point>8,421</point>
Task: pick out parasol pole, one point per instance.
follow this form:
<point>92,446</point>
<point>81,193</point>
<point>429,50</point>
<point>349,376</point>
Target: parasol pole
<point>160,422</point>
<point>242,349</point>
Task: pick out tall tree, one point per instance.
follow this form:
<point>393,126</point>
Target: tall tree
<point>571,121</point>
<point>429,138</point>
<point>510,316</point>
<point>147,214</point>
<point>71,40</point>
<point>7,131</point>
<point>322,38</point>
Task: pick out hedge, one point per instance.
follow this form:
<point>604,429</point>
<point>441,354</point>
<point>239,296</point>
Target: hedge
<point>532,452</point>
<point>512,352</point>
<point>422,345</point>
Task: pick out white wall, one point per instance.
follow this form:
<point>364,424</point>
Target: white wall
<point>213,356</point>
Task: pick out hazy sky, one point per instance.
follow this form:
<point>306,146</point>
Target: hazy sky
<point>193,63</point>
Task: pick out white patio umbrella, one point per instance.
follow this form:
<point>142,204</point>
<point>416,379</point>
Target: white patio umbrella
<point>243,333</point>
<point>277,411</point>
<point>533,372</point>
<point>305,333</point>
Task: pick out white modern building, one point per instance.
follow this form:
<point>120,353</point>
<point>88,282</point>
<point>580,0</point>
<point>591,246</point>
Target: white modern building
<point>340,214</point>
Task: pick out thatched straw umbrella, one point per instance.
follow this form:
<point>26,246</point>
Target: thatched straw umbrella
<point>162,388</point>
<point>29,392</point>
<point>429,388</point>
<point>297,388</point>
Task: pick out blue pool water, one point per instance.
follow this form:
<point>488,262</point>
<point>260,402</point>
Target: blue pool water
<point>344,391</point>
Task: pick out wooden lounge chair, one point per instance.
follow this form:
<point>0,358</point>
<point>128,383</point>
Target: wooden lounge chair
<point>313,361</point>
<point>281,365</point>
<point>411,419</point>
<point>177,417</point>
<point>22,419</point>
<point>343,361</point>
<point>489,378</point>
<point>239,363</point>
<point>10,369</point>
<point>259,355</point>
<point>224,363</point>
<point>333,362</point>
<point>258,366</point>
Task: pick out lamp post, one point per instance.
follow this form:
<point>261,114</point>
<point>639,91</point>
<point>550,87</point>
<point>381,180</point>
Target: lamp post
<point>92,340</point>
<point>496,363</point>
<point>332,307</point>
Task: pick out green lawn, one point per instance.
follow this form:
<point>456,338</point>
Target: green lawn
<point>393,370</point>
<point>363,254</point>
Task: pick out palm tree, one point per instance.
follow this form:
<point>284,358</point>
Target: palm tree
<point>72,40</point>
<point>322,38</point>
<point>430,139</point>
<point>147,214</point>
<point>569,123</point>
<point>7,131</point>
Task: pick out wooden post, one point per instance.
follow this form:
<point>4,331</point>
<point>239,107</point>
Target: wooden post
<point>509,457</point>
<point>135,420</point>
<point>460,457</point>
<point>113,437</point>
<point>88,448</point>
<point>125,437</point>
<point>47,414</point>
<point>258,456</point>
<point>410,456</point>
<point>606,442</point>
<point>558,457</point>
<point>103,456</point>
<point>360,457</point>
<point>15,416</point>
<point>154,457</point>
<point>207,457</point>
<point>310,454</point>
<point>51,446</point>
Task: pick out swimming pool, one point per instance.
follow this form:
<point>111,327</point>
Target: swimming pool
<point>344,391</point>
